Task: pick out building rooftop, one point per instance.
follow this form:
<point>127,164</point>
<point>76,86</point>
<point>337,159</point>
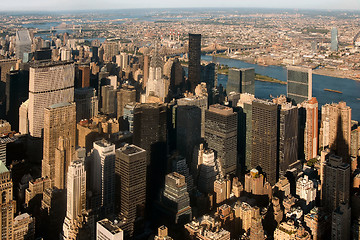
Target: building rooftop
<point>58,105</point>
<point>221,109</point>
<point>3,168</point>
<point>108,225</point>
<point>130,149</point>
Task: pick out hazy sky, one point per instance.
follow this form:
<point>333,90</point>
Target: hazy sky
<point>56,5</point>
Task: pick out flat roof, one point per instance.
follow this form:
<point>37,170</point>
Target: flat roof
<point>58,105</point>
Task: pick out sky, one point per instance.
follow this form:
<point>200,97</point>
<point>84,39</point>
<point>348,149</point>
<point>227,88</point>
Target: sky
<point>60,5</point>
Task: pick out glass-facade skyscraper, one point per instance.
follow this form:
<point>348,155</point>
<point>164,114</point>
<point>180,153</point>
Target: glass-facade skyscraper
<point>299,87</point>
<point>334,39</point>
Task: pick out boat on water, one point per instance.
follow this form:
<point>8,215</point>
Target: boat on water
<point>331,90</point>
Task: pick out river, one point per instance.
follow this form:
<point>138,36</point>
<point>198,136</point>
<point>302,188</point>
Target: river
<point>349,87</point>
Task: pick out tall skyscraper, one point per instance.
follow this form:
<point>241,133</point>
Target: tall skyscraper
<point>146,70</point>
<point>87,103</point>
<point>108,100</point>
<point>130,170</point>
<point>23,43</point>
<point>341,222</point>
<point>221,135</point>
<point>241,81</point>
<point>59,141</point>
<point>265,138</point>
<point>335,131</point>
<point>7,203</point>
<point>299,87</point>
<point>103,169</point>
<point>176,198</point>
<point>310,134</point>
<point>288,137</point>
<point>76,199</point>
<point>49,83</point>
<point>334,39</point>
<point>194,60</point>
<point>336,186</point>
<point>127,94</point>
<point>188,130</point>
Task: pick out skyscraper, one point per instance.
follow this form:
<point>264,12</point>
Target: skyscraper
<point>59,141</point>
<point>341,222</point>
<point>299,87</point>
<point>7,203</point>
<point>176,198</point>
<point>221,135</point>
<point>288,137</point>
<point>49,83</point>
<point>194,60</point>
<point>265,138</point>
<point>334,40</point>
<point>157,86</point>
<point>335,131</point>
<point>130,170</point>
<point>76,199</point>
<point>103,169</point>
<point>23,43</point>
<point>311,135</point>
<point>126,95</point>
<point>336,186</point>
<point>87,103</point>
<point>241,81</point>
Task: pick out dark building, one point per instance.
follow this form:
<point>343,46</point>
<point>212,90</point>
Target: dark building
<point>150,134</point>
<point>299,87</point>
<point>176,76</point>
<point>130,173</point>
<point>194,60</point>
<point>241,81</point>
<point>188,130</point>
<point>336,186</point>
<point>221,135</point>
<point>17,92</point>
<point>43,54</point>
<point>264,152</point>
<point>208,76</point>
<point>108,97</point>
<point>288,138</point>
<point>82,77</point>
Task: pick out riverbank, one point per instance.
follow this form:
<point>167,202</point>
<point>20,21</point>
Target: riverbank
<point>349,74</point>
<point>264,78</point>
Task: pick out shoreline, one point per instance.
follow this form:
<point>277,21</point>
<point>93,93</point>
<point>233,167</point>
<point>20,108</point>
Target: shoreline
<point>323,72</point>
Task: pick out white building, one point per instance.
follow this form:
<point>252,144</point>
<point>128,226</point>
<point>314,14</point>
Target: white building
<point>306,189</point>
<point>23,43</point>
<point>106,230</point>
<point>104,173</point>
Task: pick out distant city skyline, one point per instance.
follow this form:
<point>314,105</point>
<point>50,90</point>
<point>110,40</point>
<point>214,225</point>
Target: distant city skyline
<point>66,5</point>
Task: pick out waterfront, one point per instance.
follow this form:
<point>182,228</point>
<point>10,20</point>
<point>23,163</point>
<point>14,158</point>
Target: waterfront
<point>350,88</point>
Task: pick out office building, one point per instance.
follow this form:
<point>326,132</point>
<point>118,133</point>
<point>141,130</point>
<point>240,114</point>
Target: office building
<point>208,76</point>
<point>106,230</point>
<point>198,101</point>
<point>180,166</point>
<point>23,43</point>
<point>49,83</point>
<point>245,130</point>
<point>336,186</point>
<point>335,131</point>
<point>175,199</point>
<point>157,87</point>
<point>127,94</point>
<point>299,84</point>
<point>23,118</point>
<point>59,141</point>
<point>103,168</point>
<point>288,137</point>
<point>75,198</point>
<point>334,46</point>
<point>130,171</point>
<point>146,70</point>
<point>241,81</point>
<point>256,184</point>
<point>149,126</point>
<point>24,227</point>
<point>188,130</point>
<point>17,92</point>
<point>87,103</point>
<point>265,138</point>
<point>311,135</point>
<point>221,135</point>
<point>111,49</point>
<point>207,171</point>
<point>318,223</point>
<point>7,204</point>
<point>108,100</point>
<point>341,222</point>
<point>306,189</point>
<point>288,231</point>
<point>194,60</point>
<point>222,189</point>
<point>83,76</point>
